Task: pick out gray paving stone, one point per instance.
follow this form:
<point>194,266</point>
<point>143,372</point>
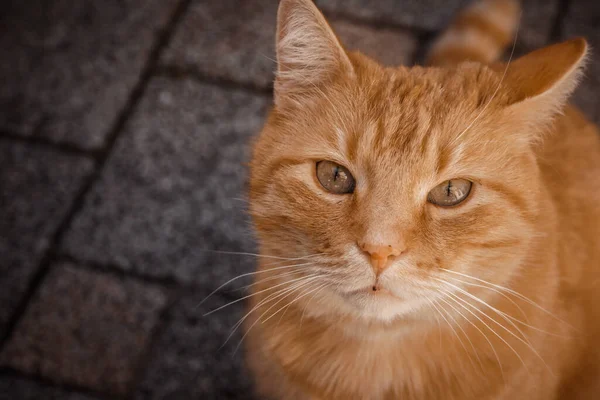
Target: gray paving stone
<point>426,14</point>
<point>190,361</point>
<point>582,20</point>
<point>235,40</point>
<point>534,29</point>
<point>37,187</point>
<point>586,97</point>
<point>391,47</point>
<point>228,39</point>
<point>13,388</point>
<point>174,186</point>
<point>73,64</point>
<point>86,329</point>
<point>536,23</point>
<point>537,20</point>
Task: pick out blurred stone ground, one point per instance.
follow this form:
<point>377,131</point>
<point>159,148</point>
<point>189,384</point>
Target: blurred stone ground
<point>124,128</point>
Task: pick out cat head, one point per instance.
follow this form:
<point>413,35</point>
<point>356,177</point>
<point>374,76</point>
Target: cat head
<point>383,180</point>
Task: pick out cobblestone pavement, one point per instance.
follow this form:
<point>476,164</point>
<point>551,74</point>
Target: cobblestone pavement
<point>124,128</point>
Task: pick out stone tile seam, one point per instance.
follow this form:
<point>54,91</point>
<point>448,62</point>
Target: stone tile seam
<point>172,290</point>
<point>178,72</point>
<point>166,284</point>
<point>147,355</point>
<point>189,70</point>
<point>8,372</point>
<point>423,37</point>
<point>48,144</point>
<point>160,44</point>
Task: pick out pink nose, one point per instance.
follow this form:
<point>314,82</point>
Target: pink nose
<point>380,255</point>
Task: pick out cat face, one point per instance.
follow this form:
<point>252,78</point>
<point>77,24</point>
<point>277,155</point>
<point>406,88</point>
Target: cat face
<point>398,135</point>
<point>435,164</point>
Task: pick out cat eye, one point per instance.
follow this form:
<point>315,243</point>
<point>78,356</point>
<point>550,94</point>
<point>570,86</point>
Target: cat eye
<point>450,193</point>
<point>335,178</point>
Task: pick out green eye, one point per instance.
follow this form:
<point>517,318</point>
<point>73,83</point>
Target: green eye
<point>335,178</point>
<point>450,193</point>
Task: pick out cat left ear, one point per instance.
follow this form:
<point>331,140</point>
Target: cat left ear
<point>541,82</point>
<point>308,52</point>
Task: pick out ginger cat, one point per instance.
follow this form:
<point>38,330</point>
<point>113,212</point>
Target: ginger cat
<point>427,232</point>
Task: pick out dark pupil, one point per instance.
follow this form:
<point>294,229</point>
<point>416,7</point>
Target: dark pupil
<point>448,188</point>
<point>336,173</point>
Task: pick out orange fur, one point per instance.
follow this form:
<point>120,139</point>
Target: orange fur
<point>492,299</point>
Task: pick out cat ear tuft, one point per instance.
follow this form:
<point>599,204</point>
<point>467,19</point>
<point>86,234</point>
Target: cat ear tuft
<point>543,80</point>
<point>308,52</point>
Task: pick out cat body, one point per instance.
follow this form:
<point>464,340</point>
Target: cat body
<point>371,287</point>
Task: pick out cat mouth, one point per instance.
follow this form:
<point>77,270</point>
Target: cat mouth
<point>376,291</point>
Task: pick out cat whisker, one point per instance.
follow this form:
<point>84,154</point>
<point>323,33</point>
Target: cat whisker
<point>242,253</point>
<point>464,333</point>
<point>312,257</point>
<point>493,290</point>
<point>513,292</point>
<point>308,302</point>
<point>433,304</point>
<point>271,297</point>
<point>269,278</point>
<point>437,315</point>
<point>500,313</point>
<point>267,299</point>
<point>479,330</point>
<point>525,342</point>
<point>267,57</point>
<point>290,303</point>
<point>513,302</point>
<point>250,274</point>
<point>437,320</point>
<point>460,301</point>
<point>512,52</point>
<point>297,288</point>
<point>255,293</point>
<point>288,306</point>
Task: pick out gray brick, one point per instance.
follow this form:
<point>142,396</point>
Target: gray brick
<point>235,40</point>
<point>174,186</point>
<point>390,47</point>
<point>426,14</point>
<point>537,22</point>
<point>85,329</point>
<point>586,97</point>
<point>538,15</point>
<point>73,64</point>
<point>13,388</point>
<point>582,20</point>
<point>190,361</point>
<point>37,187</point>
<point>228,39</point>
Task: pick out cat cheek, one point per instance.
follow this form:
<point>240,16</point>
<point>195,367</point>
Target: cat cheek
<point>427,266</point>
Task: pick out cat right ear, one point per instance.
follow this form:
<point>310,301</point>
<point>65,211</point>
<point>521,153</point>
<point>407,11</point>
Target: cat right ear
<point>308,52</point>
<point>542,81</point>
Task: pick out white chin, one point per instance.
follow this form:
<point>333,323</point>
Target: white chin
<point>382,307</point>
